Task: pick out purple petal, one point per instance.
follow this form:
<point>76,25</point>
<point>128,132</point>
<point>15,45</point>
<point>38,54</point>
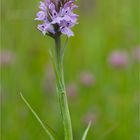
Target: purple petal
<point>64,23</point>
<point>46,27</point>
<point>69,3</point>
<point>41,27</point>
<point>42,6</point>
<point>74,7</point>
<point>52,7</point>
<point>48,2</point>
<point>40,15</point>
<point>56,20</point>
<point>67,31</point>
<point>50,28</point>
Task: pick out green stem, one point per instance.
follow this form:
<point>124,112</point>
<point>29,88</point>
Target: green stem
<point>62,92</point>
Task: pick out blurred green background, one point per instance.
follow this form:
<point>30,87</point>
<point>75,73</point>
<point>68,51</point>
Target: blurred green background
<point>100,87</point>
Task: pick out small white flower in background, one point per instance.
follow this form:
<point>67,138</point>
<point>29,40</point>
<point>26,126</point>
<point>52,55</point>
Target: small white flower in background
<point>87,78</point>
<point>136,53</point>
<point>72,89</point>
<point>6,58</point>
<point>90,116</point>
<point>118,59</point>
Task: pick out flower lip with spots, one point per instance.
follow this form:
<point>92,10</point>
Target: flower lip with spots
<point>57,17</point>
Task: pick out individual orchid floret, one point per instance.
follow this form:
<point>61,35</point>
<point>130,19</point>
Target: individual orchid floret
<point>57,17</point>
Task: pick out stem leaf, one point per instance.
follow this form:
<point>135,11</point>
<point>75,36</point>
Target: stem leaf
<point>46,128</point>
<point>86,131</point>
<point>63,49</point>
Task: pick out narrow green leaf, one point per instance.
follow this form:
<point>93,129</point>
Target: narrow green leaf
<point>86,131</point>
<point>55,68</point>
<point>47,129</point>
<point>54,65</point>
<point>63,49</point>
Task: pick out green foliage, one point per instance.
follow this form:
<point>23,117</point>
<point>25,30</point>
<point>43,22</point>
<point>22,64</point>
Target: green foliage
<point>103,26</point>
<point>46,128</point>
<point>86,131</point>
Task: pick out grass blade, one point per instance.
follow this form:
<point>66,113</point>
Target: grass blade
<point>47,129</point>
<point>86,131</point>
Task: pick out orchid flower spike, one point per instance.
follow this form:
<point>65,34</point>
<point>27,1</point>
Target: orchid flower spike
<point>57,17</point>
